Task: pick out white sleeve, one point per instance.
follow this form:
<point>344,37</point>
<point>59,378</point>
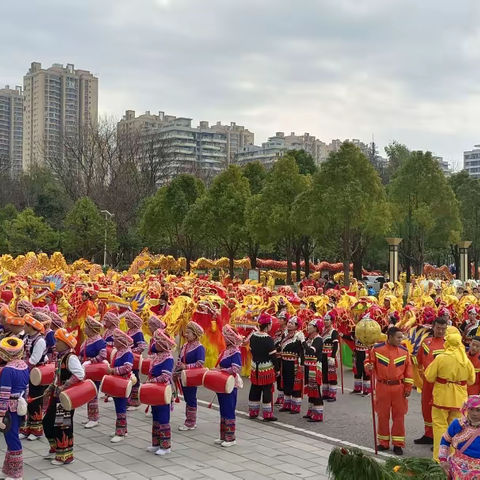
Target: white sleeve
<point>75,367</point>
<point>38,351</point>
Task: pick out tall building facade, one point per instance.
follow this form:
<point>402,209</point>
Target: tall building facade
<point>11,129</point>
<point>58,101</point>
<point>203,149</point>
<point>471,161</point>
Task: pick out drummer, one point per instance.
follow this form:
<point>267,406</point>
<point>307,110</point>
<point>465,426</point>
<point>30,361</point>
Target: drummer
<point>15,327</point>
<point>122,367</point>
<point>13,385</point>
<point>58,423</point>
<point>230,361</point>
<point>111,321</point>
<point>93,350</point>
<point>154,323</point>
<point>191,356</point>
<point>161,372</point>
<point>35,356</point>
<point>56,323</point>
<point>134,324</point>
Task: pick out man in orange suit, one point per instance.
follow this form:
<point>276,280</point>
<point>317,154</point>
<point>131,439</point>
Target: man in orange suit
<point>393,371</point>
<point>429,349</point>
<point>474,357</point>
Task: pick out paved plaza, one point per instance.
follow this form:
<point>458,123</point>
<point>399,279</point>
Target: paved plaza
<point>262,451</point>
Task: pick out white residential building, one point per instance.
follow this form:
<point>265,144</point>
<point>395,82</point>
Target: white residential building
<point>444,165</point>
<point>11,128</point>
<point>471,161</point>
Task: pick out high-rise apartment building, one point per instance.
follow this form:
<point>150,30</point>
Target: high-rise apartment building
<point>471,161</point>
<point>11,129</point>
<point>57,101</point>
<point>204,149</point>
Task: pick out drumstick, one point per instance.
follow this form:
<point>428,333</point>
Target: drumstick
<point>210,404</point>
<point>30,399</point>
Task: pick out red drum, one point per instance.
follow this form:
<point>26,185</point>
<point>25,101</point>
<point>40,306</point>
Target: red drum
<point>146,364</point>
<point>96,371</point>
<point>193,377</point>
<point>155,394</point>
<point>137,359</point>
<point>116,386</point>
<point>219,382</point>
<point>109,351</point>
<point>43,375</point>
<point>78,395</point>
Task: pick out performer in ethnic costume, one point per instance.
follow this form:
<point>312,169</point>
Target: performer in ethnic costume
<point>430,348</point>
<point>265,366</point>
<point>154,323</point>
<point>111,322</point>
<point>474,357</point>
<point>13,385</point>
<point>230,361</point>
<point>451,372</point>
<point>24,307</point>
<point>279,336</point>
<point>329,360</point>
<point>134,323</point>
<point>15,327</point>
<point>56,322</point>
<point>393,370</point>
<point>362,383</point>
<point>470,326</point>
<point>122,366</point>
<point>35,355</point>
<point>463,435</point>
<point>93,350</point>
<point>313,347</point>
<point>58,423</point>
<point>292,372</point>
<point>191,356</point>
<point>161,372</point>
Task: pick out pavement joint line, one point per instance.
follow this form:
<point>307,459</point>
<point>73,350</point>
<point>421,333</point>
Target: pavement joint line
<point>310,433</point>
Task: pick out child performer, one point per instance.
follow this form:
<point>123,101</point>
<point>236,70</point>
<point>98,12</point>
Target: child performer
<point>110,322</point>
<point>56,322</point>
<point>35,355</point>
<point>161,372</point>
<point>122,366</point>
<point>13,385</point>
<point>93,350</point>
<point>58,423</point>
<point>154,323</point>
<point>134,324</point>
<point>191,356</point>
<point>230,361</point>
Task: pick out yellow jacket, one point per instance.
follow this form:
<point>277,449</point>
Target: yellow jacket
<point>450,395</point>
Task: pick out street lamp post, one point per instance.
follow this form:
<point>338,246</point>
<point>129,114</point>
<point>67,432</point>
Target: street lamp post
<point>108,215</point>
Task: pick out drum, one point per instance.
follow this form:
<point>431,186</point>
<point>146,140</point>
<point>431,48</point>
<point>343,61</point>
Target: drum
<point>116,386</point>
<point>109,351</point>
<point>155,394</point>
<point>137,359</point>
<point>193,377</point>
<point>219,382</point>
<point>43,375</point>
<point>78,395</point>
<point>96,371</point>
<point>146,364</point>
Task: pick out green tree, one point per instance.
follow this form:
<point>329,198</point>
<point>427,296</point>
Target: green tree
<point>270,215</point>
<point>29,233</point>
<point>166,218</point>
<point>305,162</point>
<point>84,234</point>
<point>397,154</point>
<point>256,174</point>
<point>350,204</point>
<point>424,208</point>
<point>7,213</point>
<point>467,191</point>
<point>223,211</point>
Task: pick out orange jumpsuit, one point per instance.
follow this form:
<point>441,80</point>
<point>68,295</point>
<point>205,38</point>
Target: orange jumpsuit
<point>475,388</point>
<point>393,374</point>
<point>429,349</point>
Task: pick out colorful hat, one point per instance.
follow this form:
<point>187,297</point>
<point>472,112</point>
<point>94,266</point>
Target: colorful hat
<point>122,338</point>
<point>317,322</point>
<point>442,311</point>
<point>154,323</point>
<point>11,348</point>
<point>66,337</point>
<point>41,317</point>
<point>33,322</point>
<point>472,402</point>
<point>133,319</point>
<point>25,305</point>
<point>296,321</point>
<point>17,321</point>
<point>195,328</point>
<point>57,320</point>
<point>472,309</point>
<point>264,318</point>
<point>6,312</point>
<point>93,324</point>
<point>111,318</point>
<point>163,342</point>
<point>232,337</point>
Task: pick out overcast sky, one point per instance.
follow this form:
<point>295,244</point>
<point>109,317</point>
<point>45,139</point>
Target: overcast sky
<point>405,70</point>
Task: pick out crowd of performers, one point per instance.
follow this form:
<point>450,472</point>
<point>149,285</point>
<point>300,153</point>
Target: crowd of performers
<point>285,341</point>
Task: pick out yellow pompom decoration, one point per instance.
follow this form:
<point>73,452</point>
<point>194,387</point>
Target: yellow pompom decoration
<point>368,331</point>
